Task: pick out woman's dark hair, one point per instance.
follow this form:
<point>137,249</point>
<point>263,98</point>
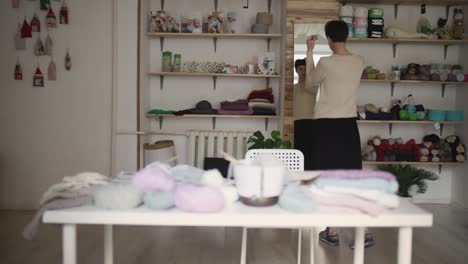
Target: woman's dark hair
<point>337,30</point>
<point>299,62</point>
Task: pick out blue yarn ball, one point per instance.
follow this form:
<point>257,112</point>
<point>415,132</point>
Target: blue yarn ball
<point>295,200</point>
<point>159,200</point>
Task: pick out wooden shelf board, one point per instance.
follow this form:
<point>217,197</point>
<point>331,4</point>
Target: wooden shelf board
<point>406,122</point>
<point>217,116</point>
<point>406,2</point>
<point>409,163</point>
<point>409,81</point>
<point>212,35</point>
<point>208,74</point>
<point>408,41</point>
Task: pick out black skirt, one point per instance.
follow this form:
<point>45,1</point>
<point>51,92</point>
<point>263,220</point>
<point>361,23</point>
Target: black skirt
<point>328,143</point>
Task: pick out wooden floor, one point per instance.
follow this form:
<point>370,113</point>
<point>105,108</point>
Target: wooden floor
<point>446,242</point>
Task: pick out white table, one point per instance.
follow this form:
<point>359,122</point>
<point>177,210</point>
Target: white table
<point>405,218</point>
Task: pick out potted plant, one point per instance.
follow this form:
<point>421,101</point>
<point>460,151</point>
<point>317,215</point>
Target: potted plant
<point>259,141</point>
<point>409,176</point>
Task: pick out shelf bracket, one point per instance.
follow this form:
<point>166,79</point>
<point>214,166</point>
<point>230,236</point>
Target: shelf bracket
<point>161,81</point>
<point>161,41</point>
<point>390,128</point>
<point>392,88</point>
<point>214,82</point>
<point>161,118</point>
<point>268,44</point>
<point>267,82</point>
<point>394,49</point>
<point>269,6</point>
<point>445,51</point>
<point>441,130</point>
<point>443,86</point>
<point>216,5</point>
<point>213,121</point>
<point>440,168</point>
<point>395,10</point>
<point>162,5</point>
<point>215,43</point>
<point>266,124</point>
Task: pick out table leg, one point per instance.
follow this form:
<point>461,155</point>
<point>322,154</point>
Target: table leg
<point>69,243</point>
<point>405,236</point>
<point>243,259</point>
<point>314,245</point>
<point>299,245</point>
<point>359,245</point>
<point>108,245</point>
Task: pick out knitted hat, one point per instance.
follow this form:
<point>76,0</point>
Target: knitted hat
<point>203,107</point>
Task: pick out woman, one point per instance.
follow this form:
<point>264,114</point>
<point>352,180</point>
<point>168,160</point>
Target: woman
<point>331,139</point>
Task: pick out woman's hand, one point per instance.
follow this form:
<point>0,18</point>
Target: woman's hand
<point>311,42</point>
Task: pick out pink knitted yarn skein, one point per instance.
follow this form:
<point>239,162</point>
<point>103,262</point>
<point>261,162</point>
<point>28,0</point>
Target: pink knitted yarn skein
<point>153,178</point>
<point>199,199</point>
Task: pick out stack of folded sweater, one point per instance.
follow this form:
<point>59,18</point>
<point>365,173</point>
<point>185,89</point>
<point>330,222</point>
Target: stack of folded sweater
<point>262,102</point>
<point>239,107</point>
<point>370,192</point>
<point>72,191</point>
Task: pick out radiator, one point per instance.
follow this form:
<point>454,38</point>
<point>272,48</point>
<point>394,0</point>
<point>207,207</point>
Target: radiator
<point>209,144</point>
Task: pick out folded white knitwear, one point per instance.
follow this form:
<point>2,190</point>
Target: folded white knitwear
<point>389,200</point>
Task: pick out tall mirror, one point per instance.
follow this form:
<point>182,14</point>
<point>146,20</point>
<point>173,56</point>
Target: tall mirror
<point>303,100</point>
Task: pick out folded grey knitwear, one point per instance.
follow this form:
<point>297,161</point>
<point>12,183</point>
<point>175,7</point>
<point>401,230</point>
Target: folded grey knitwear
<point>30,229</point>
<point>263,105</point>
<point>69,194</point>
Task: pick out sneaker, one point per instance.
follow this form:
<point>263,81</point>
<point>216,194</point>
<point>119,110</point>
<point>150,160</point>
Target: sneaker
<point>368,241</point>
<point>330,239</point>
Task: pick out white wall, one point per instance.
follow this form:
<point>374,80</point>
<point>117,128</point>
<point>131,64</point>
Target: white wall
<point>460,178</point>
<point>65,127</point>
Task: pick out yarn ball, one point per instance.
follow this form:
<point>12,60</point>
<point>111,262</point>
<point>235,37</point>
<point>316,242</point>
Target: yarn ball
<point>159,200</point>
<point>212,178</point>
<point>116,196</point>
<point>230,194</point>
<point>187,174</point>
<point>199,199</point>
<point>295,200</point>
<point>154,178</point>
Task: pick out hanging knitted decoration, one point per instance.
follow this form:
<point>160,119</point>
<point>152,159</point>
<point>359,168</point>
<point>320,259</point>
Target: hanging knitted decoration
<point>68,61</point>
<point>20,43</point>
<point>39,49</point>
<point>18,71</point>
<point>52,71</point>
<point>48,45</point>
<point>45,4</point>
<point>26,30</point>
<point>15,3</point>
<point>64,13</point>
<point>51,19</point>
<point>38,79</point>
<point>35,24</point>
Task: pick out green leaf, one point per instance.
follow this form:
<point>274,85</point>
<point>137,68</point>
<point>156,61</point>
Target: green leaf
<point>287,144</point>
<point>269,143</point>
<point>275,134</point>
<point>259,135</point>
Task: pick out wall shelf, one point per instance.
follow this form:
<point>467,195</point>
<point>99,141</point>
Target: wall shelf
<point>397,3</point>
<point>392,83</point>
<point>396,42</point>
<point>403,122</point>
<point>208,74</point>
<point>440,164</point>
<point>215,36</point>
<point>161,117</point>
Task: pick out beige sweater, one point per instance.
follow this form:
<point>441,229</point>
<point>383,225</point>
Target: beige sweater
<point>304,101</point>
<point>339,77</point>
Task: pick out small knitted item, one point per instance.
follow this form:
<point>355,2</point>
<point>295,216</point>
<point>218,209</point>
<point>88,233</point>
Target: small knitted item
<point>212,178</point>
<point>116,196</point>
<point>230,194</point>
<point>295,200</point>
<point>159,200</point>
<point>199,199</point>
<point>153,178</point>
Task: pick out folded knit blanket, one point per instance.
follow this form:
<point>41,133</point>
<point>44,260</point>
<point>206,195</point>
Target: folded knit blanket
<point>357,174</point>
<point>388,200</point>
<point>237,105</point>
<point>234,112</point>
<point>263,105</point>
<point>360,184</point>
<point>344,200</point>
<point>31,229</point>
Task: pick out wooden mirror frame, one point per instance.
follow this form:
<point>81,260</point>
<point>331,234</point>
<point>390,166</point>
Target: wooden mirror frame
<point>300,12</point>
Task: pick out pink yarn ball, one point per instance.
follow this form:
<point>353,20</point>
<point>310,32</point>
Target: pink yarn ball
<point>199,199</point>
<point>153,178</point>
